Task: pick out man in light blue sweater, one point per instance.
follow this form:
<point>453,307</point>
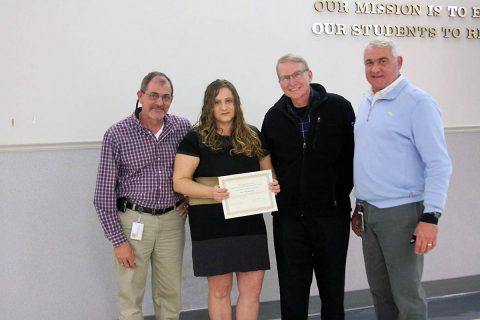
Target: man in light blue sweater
<point>401,176</point>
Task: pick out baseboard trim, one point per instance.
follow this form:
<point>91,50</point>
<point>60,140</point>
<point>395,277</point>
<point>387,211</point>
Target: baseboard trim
<point>462,129</point>
<point>75,145</point>
<point>355,299</point>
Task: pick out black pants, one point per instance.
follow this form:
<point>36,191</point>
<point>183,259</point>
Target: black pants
<point>304,245</point>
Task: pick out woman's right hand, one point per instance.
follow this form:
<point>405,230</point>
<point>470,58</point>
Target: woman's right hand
<point>219,194</point>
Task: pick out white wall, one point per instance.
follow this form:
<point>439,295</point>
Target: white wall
<point>72,68</point>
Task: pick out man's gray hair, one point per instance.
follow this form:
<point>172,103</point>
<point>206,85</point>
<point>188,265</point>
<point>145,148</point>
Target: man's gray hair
<point>149,77</point>
<point>381,43</point>
<point>290,57</point>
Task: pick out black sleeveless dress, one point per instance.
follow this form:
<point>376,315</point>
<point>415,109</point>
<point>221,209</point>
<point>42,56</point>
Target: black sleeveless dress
<point>220,245</point>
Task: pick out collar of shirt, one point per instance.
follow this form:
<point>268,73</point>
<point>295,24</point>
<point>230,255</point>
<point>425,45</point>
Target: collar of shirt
<point>382,93</point>
<point>157,135</point>
<point>136,121</point>
<point>291,109</point>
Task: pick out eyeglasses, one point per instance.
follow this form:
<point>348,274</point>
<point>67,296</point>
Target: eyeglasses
<point>166,98</point>
<point>295,76</point>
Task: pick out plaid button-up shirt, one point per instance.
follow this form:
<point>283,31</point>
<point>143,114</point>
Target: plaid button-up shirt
<point>137,166</point>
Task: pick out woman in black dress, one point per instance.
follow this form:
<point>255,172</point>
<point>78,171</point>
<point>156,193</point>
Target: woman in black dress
<point>222,143</point>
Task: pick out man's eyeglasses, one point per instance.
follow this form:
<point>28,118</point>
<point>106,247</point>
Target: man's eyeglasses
<point>166,98</point>
<point>295,76</point>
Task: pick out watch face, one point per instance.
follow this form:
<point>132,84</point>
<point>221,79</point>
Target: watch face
<point>435,214</point>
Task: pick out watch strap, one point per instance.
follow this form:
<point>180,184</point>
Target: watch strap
<point>430,217</point>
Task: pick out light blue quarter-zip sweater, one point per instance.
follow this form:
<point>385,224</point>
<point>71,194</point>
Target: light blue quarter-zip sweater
<point>400,150</point>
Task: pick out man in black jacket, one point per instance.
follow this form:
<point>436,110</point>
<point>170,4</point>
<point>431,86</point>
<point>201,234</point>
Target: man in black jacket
<point>309,134</point>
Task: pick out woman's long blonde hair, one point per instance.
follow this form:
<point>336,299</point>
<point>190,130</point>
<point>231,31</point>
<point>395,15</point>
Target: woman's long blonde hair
<point>245,140</point>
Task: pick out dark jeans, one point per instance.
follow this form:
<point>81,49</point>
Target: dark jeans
<point>304,245</point>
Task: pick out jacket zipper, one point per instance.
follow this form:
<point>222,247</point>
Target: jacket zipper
<point>316,130</point>
<point>304,149</point>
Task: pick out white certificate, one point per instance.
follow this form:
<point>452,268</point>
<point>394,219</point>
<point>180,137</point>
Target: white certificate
<point>249,194</point>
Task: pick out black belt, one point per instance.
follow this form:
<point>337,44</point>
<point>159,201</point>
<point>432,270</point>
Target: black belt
<point>151,211</point>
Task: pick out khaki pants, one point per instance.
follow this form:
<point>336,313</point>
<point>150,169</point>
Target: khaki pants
<point>162,245</point>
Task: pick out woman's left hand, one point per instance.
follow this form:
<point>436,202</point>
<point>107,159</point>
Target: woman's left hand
<point>274,186</point>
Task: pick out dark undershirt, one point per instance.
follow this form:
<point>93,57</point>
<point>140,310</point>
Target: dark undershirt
<point>300,112</point>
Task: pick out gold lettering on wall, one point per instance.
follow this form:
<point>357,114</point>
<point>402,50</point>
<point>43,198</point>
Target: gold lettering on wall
<point>393,31</point>
<point>388,8</point>
<point>434,11</point>
<point>473,33</point>
<point>476,12</point>
<point>451,32</point>
<point>452,12</point>
<point>331,6</point>
<point>329,28</point>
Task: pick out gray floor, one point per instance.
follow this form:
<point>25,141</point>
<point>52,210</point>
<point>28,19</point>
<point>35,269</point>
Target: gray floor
<point>464,306</point>
<point>456,307</point>
<point>449,299</point>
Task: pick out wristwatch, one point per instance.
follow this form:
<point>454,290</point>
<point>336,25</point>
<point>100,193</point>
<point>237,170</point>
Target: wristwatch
<point>431,217</point>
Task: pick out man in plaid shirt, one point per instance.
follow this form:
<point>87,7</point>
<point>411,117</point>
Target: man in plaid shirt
<point>134,199</point>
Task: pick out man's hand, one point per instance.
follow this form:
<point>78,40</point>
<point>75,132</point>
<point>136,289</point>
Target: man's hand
<point>182,208</point>
<point>357,226</point>
<point>426,237</point>
<point>124,254</point>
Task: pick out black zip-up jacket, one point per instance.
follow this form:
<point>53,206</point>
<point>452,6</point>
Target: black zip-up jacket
<point>315,175</point>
